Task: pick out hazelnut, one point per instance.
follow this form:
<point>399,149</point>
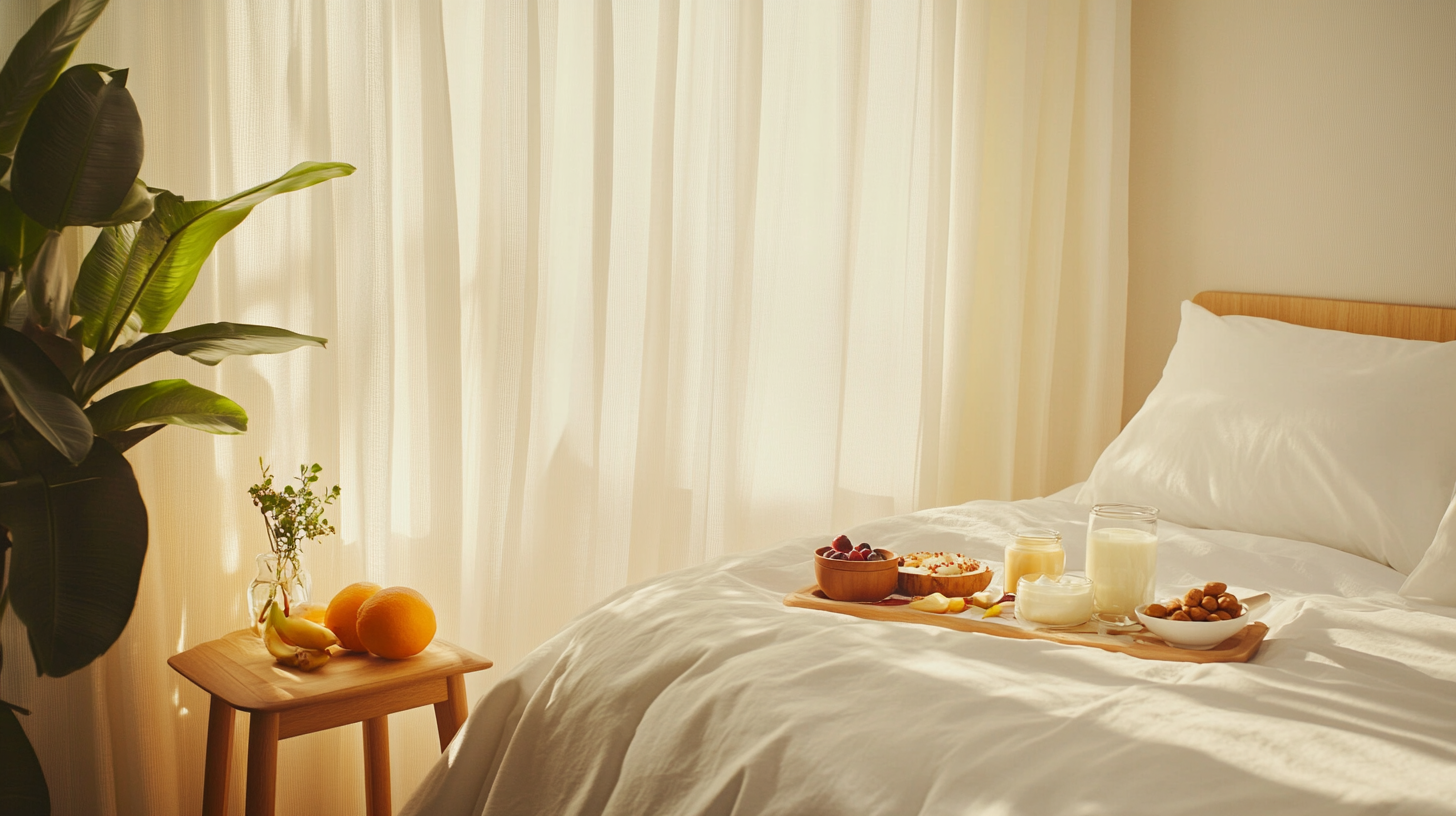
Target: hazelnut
<point>1227,601</point>
<point>1193,598</point>
<point>1235,611</point>
<point>1197,613</point>
<point>1179,615</point>
<point>1157,610</point>
<point>1210,603</point>
<point>1215,588</point>
<point>1222,615</point>
<point>1173,603</point>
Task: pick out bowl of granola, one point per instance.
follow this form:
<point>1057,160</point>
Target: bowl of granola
<point>950,574</point>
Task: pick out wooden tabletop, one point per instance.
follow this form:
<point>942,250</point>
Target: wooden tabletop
<point>238,669</point>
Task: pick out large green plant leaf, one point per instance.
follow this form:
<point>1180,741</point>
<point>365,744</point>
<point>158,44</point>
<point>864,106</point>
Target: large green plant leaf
<point>104,284</point>
<point>78,158</point>
<point>64,353</point>
<point>126,440</point>
<point>23,790</point>
<point>150,270</point>
<point>49,283</point>
<point>171,402</point>
<point>19,307</point>
<point>208,343</point>
<point>43,396</point>
<point>79,537</point>
<point>20,235</point>
<point>14,298</point>
<point>36,61</point>
<point>137,206</point>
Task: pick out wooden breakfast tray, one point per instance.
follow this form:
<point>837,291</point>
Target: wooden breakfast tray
<point>1237,649</point>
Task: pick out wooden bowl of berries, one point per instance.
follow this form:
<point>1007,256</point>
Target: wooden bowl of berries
<point>860,573</point>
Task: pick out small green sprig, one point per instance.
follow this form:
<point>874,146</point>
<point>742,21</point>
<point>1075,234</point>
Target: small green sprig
<point>293,515</point>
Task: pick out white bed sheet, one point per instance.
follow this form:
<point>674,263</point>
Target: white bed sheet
<point>700,693</point>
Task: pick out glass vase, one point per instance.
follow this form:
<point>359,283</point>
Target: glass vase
<point>272,582</point>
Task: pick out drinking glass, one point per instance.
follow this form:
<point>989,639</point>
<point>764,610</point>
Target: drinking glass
<point>1122,561</point>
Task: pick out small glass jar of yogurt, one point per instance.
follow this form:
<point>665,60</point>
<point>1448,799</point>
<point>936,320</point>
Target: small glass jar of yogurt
<point>1064,600</point>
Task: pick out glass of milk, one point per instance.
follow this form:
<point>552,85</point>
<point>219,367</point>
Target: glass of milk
<point>1122,561</point>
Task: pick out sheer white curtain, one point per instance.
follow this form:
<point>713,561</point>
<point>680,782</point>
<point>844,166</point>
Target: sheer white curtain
<point>618,287</point>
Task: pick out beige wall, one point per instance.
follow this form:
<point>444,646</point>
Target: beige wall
<point>1301,147</point>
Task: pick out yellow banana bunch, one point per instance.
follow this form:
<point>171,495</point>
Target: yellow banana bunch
<point>300,631</point>
<point>313,641</point>
<point>305,659</point>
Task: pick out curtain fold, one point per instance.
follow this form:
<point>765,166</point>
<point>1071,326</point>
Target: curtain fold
<point>618,287</point>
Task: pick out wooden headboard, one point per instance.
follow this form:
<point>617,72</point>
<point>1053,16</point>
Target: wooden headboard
<point>1359,317</point>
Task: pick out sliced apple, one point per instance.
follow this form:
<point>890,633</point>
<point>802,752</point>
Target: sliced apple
<point>934,602</point>
<point>955,606</point>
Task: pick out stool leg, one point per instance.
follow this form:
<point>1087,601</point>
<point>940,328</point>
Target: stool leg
<point>450,714</point>
<point>376,766</point>
<point>219,758</point>
<point>262,763</point>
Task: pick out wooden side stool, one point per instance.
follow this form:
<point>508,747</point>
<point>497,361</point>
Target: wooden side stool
<point>282,702</point>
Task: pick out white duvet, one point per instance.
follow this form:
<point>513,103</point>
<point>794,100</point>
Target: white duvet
<point>700,693</point>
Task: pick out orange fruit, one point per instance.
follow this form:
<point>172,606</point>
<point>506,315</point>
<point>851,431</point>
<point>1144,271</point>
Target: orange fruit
<point>396,623</point>
<point>343,613</point>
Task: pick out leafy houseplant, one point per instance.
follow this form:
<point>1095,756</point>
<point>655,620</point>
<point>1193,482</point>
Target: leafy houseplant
<point>292,516</point>
<point>71,516</point>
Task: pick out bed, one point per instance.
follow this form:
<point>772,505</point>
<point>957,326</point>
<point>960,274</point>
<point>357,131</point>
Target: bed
<point>700,692</point>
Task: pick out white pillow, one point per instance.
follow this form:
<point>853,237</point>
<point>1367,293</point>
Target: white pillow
<point>1434,579</point>
<point>1264,427</point>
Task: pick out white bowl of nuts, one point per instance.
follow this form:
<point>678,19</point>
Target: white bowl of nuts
<point>1202,617</point>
